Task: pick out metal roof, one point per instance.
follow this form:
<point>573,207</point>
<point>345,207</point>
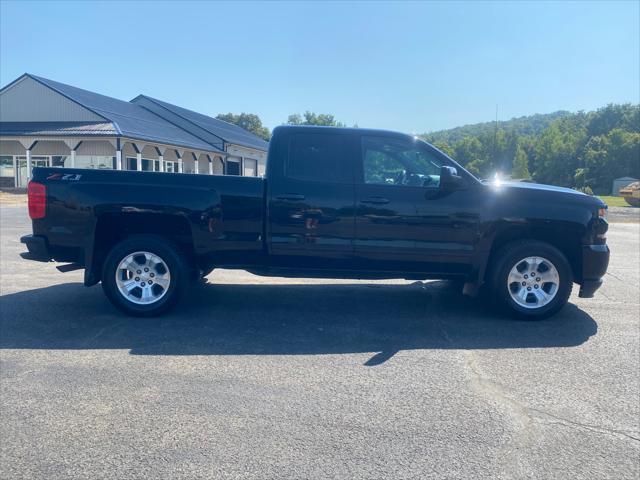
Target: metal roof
<point>57,128</point>
<point>129,120</point>
<point>228,132</point>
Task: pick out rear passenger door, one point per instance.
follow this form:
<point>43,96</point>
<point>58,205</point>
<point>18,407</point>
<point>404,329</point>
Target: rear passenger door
<point>311,200</point>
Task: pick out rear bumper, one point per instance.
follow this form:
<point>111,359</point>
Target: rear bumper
<point>38,248</point>
<point>595,260</point>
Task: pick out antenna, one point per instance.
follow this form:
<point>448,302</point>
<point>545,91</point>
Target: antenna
<point>495,138</point>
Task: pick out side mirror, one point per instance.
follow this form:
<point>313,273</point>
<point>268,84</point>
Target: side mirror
<point>449,179</point>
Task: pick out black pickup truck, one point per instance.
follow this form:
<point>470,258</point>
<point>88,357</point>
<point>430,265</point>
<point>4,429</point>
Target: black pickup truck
<point>335,203</point>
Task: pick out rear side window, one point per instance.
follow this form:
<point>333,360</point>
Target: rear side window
<point>319,157</point>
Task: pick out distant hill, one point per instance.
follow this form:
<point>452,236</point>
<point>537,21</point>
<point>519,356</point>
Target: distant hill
<point>582,150</point>
<point>521,126</point>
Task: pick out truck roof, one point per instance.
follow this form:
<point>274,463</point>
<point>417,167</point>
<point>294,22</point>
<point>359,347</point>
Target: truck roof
<point>343,130</point>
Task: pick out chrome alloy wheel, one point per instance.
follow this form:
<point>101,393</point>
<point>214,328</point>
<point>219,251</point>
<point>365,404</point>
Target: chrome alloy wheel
<point>143,278</point>
<point>533,282</point>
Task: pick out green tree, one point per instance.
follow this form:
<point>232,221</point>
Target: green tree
<point>310,118</point>
<point>557,154</point>
<point>607,157</point>
<point>470,153</point>
<point>585,150</point>
<point>605,119</point>
<point>520,165</point>
<point>248,121</point>
<point>445,148</point>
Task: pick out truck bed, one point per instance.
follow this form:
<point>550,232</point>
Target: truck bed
<point>221,218</point>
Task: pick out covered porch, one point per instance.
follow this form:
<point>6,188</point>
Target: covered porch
<point>19,154</point>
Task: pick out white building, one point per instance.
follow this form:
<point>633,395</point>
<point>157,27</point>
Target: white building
<point>47,123</point>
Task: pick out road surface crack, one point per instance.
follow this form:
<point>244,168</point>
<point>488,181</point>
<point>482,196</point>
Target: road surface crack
<point>102,331</point>
<point>529,415</point>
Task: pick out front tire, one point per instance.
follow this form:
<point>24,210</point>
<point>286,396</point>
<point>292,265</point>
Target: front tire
<point>144,275</point>
<point>532,279</point>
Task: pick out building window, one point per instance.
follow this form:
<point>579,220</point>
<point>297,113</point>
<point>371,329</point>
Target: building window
<point>233,167</point>
<point>149,165</point>
<point>36,161</point>
<point>60,161</point>
<point>99,162</point>
<point>250,167</point>
<point>6,166</point>
<point>131,163</point>
<point>170,167</point>
<point>262,168</point>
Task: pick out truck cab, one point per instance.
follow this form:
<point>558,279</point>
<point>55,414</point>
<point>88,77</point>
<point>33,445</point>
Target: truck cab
<point>380,203</point>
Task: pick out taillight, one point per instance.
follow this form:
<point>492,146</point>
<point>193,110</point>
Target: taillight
<point>37,194</point>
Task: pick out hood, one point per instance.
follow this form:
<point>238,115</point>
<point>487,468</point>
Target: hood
<point>535,186</point>
<point>541,189</point>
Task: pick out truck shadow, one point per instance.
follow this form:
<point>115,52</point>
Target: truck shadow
<point>257,319</point>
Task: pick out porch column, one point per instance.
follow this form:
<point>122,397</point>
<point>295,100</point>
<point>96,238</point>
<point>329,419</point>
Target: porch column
<point>210,162</point>
<point>195,162</point>
<point>118,155</point>
<point>138,147</point>
<point>15,171</point>
<point>73,145</point>
<point>160,151</point>
<point>179,154</point>
<point>28,154</point>
<point>73,154</point>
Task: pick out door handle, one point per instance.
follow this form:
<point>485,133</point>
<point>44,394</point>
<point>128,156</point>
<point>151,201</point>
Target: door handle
<point>292,197</point>
<point>375,200</point>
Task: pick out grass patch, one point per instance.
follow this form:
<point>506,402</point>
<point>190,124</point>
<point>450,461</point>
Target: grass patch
<point>614,201</point>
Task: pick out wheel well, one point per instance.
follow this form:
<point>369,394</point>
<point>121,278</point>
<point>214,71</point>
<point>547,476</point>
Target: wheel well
<point>113,228</point>
<point>564,239</point>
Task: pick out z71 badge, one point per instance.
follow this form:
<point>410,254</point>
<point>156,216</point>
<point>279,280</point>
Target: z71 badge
<point>72,177</point>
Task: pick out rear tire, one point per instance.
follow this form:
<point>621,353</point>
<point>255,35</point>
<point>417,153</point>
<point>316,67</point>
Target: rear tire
<point>145,275</point>
<point>527,296</point>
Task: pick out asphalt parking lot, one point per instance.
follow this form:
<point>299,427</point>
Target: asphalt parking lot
<point>277,378</point>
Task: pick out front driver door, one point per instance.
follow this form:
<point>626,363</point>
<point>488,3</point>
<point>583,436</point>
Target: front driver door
<point>404,220</point>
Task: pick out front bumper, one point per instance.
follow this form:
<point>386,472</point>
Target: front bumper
<point>595,260</point>
<point>38,248</point>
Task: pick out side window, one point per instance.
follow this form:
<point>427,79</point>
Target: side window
<point>233,167</point>
<point>390,161</point>
<point>319,157</point>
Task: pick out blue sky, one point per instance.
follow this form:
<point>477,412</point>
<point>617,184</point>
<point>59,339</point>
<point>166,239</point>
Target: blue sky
<point>414,67</point>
